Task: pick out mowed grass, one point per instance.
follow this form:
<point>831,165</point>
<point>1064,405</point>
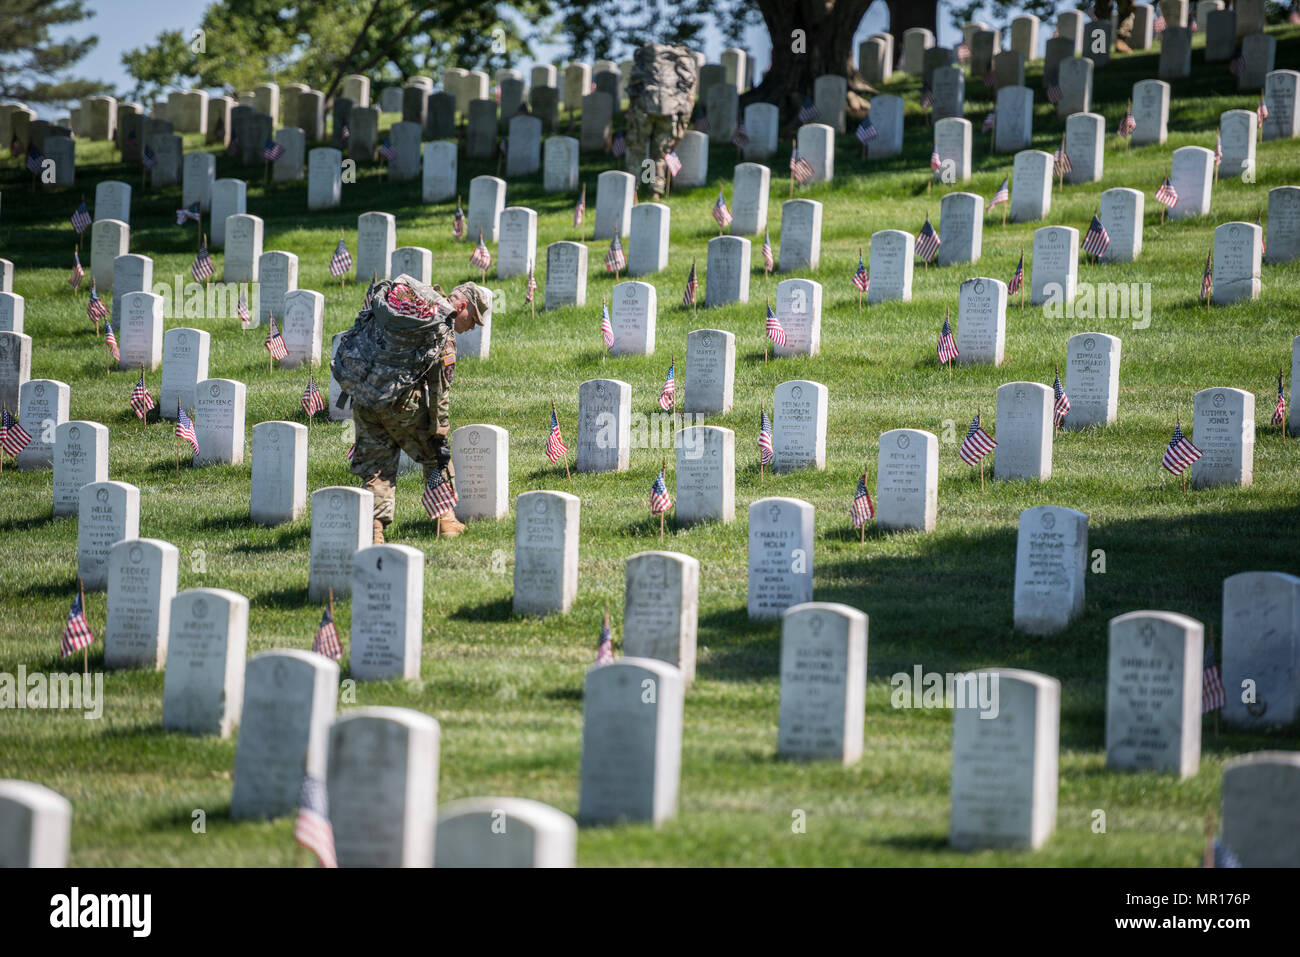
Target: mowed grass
<point>508,690</point>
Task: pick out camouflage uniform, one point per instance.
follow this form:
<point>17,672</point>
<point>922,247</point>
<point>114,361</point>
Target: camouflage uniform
<point>661,95</point>
<point>1124,18</point>
<point>398,366</point>
<point>419,424</point>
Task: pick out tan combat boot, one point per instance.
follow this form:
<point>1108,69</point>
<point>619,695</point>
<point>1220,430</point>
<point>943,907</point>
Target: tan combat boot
<point>379,532</point>
<point>449,527</point>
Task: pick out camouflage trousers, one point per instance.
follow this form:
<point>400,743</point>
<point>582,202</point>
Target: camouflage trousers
<point>653,138</point>
<point>418,426</point>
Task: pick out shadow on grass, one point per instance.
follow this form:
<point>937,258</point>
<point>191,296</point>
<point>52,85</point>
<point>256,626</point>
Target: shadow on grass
<point>284,537</point>
<point>931,843</point>
<point>32,522</point>
<point>947,604</point>
<point>565,694</point>
<point>498,609</point>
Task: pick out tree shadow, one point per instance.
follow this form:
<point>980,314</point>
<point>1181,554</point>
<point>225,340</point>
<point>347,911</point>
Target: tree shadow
<point>497,609</point>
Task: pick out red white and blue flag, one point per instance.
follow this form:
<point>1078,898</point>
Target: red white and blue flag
<point>866,131</point>
<point>458,222</point>
<point>275,342</point>
<point>341,261</point>
<point>673,162</point>
<point>272,151</point>
<point>141,400</point>
<point>769,261</point>
<point>190,214</point>
<point>202,268</point>
<point>532,284</point>
<point>1279,408</point>
<point>185,428</point>
<point>1180,453</point>
<point>659,500</point>
<point>668,394</point>
<point>480,258</point>
<point>615,260</point>
<point>927,242</point>
<point>78,273</point>
<point>606,327</point>
<point>765,453</point>
<point>439,496</point>
<point>110,342</point>
<point>1018,279</point>
<point>774,330</point>
<point>947,346</point>
<point>861,279</point>
<point>692,284</point>
<point>95,309</point>
<point>1061,408</point>
<point>555,447</point>
<point>605,646</point>
<point>1097,240</point>
<point>977,443</point>
<point>1212,693</point>
<point>312,400</point>
<point>13,437</point>
<point>581,208</point>
<point>312,828</point>
<point>808,113</point>
<point>1167,194</point>
<point>721,213</point>
<point>326,642</point>
<point>1003,195</point>
<point>800,168</point>
<point>76,633</point>
<point>861,509</point>
<point>81,218</point>
<point>1207,278</point>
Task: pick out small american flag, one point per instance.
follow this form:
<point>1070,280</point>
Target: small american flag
<point>202,269</point>
<point>1062,407</point>
<point>1018,279</point>
<point>989,121</point>
<point>1097,240</point>
<point>386,151</point>
<point>555,447</point>
<point>860,278</point>
<point>1237,64</point>
<point>458,222</point>
<point>341,261</point>
<point>673,162</point>
<point>721,213</point>
<point>95,309</point>
<point>141,400</point>
<point>241,310</point>
<point>110,342</point>
<point>1158,25</point>
<point>1207,278</point>
<point>769,261</point>
<point>185,428</point>
<point>352,450</point>
<point>13,437</point>
<point>1223,855</point>
<point>312,828</point>
<point>78,273</point>
<point>272,151</point>
<point>659,500</point>
<point>808,112</point>
<point>35,158</point>
<point>668,395</point>
<point>275,342</point>
<point>1180,453</point>
<point>605,646</point>
<point>581,208</point>
<point>692,284</point>
<point>740,138</point>
<point>947,345</point>
<point>1128,124</point>
<point>439,496</point>
<point>189,214</point>
<point>861,510</point>
<point>480,258</point>
<point>1062,163</point>
<point>1167,194</point>
<point>1218,149</point>
<point>618,145</point>
<point>927,242</point>
<point>866,131</point>
<point>977,443</point>
<point>615,260</point>
<point>606,327</point>
<point>765,453</point>
<point>81,218</point>
<point>1212,693</point>
<point>312,401</point>
<point>935,163</point>
<point>1262,112</point>
<point>76,633</point>
<point>1279,410</point>
<point>532,284</point>
<point>800,168</point>
<point>775,331</point>
<point>927,96</point>
<point>1003,195</point>
<point>326,641</point>
<point>1054,93</point>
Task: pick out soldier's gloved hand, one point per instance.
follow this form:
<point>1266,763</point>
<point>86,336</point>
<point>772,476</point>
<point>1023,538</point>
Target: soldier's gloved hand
<point>444,454</point>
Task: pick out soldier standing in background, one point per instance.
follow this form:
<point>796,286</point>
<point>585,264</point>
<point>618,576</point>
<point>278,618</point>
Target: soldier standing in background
<point>661,96</point>
<point>1123,23</point>
<point>397,363</point>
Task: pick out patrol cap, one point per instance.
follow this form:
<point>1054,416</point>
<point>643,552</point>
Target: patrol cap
<point>478,297</point>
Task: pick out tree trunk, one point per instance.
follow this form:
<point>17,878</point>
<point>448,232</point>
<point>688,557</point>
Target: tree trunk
<point>824,45</point>
<point>906,14</point>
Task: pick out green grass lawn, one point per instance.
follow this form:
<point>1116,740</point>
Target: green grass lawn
<point>508,690</point>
